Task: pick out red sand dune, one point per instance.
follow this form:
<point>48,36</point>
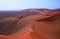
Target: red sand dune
<point>41,26</point>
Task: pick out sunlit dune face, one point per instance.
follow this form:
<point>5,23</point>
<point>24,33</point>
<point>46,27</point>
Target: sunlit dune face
<point>48,28</point>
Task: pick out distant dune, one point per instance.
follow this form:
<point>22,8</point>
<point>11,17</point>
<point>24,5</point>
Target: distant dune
<point>30,24</point>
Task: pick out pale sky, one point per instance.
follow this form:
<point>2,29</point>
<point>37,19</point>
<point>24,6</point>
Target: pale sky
<point>25,4</point>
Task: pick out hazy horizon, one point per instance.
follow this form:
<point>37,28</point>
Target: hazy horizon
<point>11,5</point>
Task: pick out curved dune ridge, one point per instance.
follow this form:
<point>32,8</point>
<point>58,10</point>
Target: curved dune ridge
<point>44,25</point>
